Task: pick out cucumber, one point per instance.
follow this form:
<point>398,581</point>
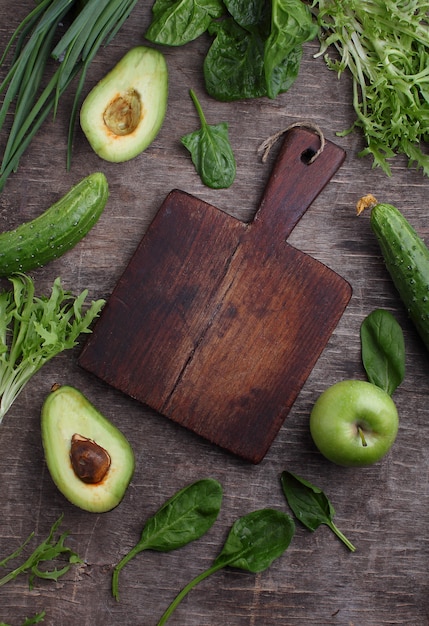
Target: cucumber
<point>407,260</point>
<point>47,237</point>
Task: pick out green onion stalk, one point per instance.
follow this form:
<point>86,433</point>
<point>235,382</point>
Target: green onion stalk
<point>31,90</point>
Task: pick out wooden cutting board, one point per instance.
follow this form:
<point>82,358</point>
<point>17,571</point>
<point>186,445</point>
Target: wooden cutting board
<point>216,323</point>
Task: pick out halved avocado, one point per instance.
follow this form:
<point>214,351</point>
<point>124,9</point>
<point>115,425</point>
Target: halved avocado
<point>123,113</point>
<point>89,459</point>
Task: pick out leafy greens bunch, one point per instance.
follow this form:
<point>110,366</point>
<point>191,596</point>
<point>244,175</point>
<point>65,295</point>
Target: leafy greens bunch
<point>257,46</point>
<point>385,46</point>
<point>35,329</point>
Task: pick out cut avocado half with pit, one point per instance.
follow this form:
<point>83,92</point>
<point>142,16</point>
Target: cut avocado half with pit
<point>124,112</point>
<point>89,459</point>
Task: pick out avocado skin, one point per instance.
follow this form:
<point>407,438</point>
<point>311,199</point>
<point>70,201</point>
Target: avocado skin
<point>65,412</point>
<point>142,71</point>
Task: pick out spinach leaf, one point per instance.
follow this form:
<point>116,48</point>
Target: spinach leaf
<point>291,26</point>
<point>310,505</point>
<point>249,14</point>
<point>177,22</point>
<point>234,64</point>
<point>383,350</point>
<point>279,78</point>
<point>211,151</point>
<point>185,517</point>
<point>253,543</point>
<point>256,540</point>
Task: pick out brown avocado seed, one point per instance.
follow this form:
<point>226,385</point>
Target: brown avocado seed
<point>123,114</point>
<point>90,461</point>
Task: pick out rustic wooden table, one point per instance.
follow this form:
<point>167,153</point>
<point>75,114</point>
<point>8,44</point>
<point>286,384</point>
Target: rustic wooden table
<point>383,509</point>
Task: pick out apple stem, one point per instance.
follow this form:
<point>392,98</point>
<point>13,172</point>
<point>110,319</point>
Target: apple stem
<point>362,436</point>
<point>340,535</point>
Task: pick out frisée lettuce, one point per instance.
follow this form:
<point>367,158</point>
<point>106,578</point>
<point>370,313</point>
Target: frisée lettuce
<point>385,46</point>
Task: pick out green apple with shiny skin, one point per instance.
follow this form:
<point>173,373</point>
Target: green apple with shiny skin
<point>354,423</point>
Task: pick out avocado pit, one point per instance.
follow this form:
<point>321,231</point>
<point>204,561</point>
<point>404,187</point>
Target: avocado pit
<point>123,114</point>
<point>89,460</point>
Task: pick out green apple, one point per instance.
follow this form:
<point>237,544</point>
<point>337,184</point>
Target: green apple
<point>354,423</point>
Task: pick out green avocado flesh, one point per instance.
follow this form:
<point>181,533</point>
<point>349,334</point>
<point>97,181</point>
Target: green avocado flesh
<point>89,459</point>
<point>124,112</point>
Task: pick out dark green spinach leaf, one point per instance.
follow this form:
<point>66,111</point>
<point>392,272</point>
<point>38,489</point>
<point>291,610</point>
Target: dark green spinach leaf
<point>185,517</point>
<point>211,151</point>
<point>177,22</point>
<point>383,350</point>
<point>250,14</point>
<point>233,66</point>
<point>310,505</point>
<point>253,543</point>
<point>291,26</point>
<point>256,540</point>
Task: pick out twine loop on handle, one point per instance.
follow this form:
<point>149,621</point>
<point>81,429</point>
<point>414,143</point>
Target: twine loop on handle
<point>268,143</point>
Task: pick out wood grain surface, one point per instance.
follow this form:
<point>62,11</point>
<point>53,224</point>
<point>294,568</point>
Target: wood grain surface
<point>383,509</point>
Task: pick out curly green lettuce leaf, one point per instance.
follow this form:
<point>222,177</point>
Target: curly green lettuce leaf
<point>35,329</point>
<point>384,44</point>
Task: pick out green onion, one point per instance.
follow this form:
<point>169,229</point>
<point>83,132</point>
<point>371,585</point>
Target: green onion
<point>33,42</point>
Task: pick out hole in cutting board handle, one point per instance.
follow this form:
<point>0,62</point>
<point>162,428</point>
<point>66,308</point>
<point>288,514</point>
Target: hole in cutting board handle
<point>293,184</point>
<point>308,155</point>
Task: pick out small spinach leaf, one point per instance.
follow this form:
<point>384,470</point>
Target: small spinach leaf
<point>310,505</point>
<point>383,350</point>
<point>177,22</point>
<point>185,517</point>
<point>253,543</point>
<point>211,151</point>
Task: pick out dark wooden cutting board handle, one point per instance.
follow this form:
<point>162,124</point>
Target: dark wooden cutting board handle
<point>295,181</point>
